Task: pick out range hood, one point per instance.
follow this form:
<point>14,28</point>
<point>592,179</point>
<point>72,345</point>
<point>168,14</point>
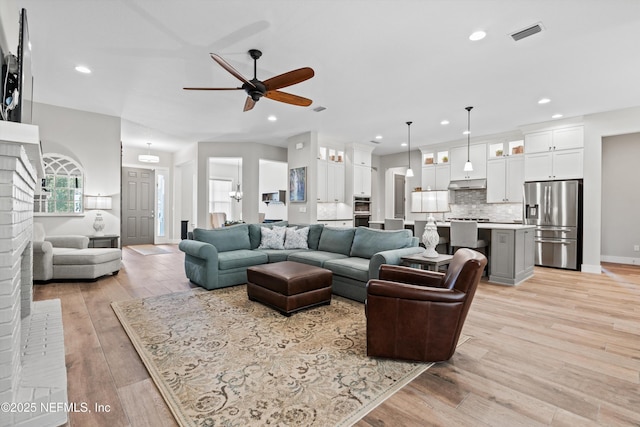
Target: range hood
<point>468,184</point>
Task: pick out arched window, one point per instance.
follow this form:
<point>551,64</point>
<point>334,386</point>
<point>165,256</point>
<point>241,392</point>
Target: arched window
<point>63,186</point>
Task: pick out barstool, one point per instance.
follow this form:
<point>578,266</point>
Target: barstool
<point>464,234</point>
<point>393,224</point>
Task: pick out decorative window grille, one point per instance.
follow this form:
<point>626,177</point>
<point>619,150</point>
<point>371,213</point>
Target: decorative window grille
<point>63,187</point>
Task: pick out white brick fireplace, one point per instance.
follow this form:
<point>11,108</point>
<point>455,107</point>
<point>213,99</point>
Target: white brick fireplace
<point>33,389</point>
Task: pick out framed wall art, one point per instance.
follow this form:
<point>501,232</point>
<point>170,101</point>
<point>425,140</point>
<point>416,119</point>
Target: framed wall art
<point>298,185</point>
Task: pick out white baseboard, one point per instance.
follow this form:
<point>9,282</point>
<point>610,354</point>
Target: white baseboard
<point>620,259</point>
<point>589,268</point>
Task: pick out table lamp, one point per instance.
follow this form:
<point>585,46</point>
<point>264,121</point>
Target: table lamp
<point>98,203</point>
<point>430,202</point>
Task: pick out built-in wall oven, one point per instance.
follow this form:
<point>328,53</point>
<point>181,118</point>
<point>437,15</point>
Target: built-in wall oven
<point>361,211</point>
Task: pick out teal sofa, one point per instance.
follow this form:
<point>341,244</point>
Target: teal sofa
<point>219,258</point>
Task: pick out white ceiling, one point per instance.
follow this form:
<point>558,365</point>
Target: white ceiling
<point>378,64</point>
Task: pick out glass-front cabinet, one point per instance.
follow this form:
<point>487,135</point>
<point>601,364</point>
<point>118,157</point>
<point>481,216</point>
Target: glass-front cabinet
<point>503,149</point>
<point>435,170</point>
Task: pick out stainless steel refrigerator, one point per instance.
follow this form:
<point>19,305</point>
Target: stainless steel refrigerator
<point>555,208</point>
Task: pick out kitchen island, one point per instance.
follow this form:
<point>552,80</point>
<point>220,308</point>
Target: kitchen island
<point>511,249</point>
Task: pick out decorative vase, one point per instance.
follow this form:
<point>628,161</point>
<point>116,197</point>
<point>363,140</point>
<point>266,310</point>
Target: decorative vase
<point>430,238</point>
<point>98,224</point>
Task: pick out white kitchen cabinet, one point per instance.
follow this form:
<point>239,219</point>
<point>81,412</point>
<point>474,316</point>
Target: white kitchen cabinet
<point>335,182</point>
<point>361,157</point>
<point>505,177</point>
<point>436,176</point>
<point>322,180</point>
<point>554,165</point>
<point>553,140</point>
<point>361,180</point>
<point>554,154</point>
<point>478,158</point>
<point>358,172</point>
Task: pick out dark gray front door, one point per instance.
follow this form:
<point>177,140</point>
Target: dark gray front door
<point>138,197</point>
<point>398,196</point>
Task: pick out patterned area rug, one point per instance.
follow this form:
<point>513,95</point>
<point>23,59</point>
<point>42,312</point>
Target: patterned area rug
<point>149,249</point>
<point>220,359</point>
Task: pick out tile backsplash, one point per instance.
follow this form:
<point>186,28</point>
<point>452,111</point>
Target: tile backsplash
<point>473,203</point>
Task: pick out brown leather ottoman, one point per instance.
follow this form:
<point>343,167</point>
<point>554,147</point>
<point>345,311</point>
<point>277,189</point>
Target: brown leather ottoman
<point>289,286</point>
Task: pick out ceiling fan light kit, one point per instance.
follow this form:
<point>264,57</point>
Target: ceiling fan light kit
<point>256,89</point>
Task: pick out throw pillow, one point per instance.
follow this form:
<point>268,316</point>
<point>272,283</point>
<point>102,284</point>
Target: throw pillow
<point>272,238</point>
<point>296,239</point>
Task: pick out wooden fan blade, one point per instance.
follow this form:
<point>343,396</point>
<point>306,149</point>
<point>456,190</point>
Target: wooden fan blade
<point>249,104</point>
<point>224,64</point>
<point>288,79</point>
<point>211,88</point>
<point>288,98</point>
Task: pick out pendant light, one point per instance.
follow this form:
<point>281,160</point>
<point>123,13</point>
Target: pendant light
<point>148,158</point>
<point>237,195</point>
<point>409,171</point>
<point>468,167</point>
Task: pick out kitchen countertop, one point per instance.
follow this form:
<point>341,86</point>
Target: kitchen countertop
<point>481,225</point>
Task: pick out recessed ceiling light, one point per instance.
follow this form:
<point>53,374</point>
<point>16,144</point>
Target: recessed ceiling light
<point>82,69</point>
<point>444,122</point>
<point>556,116</point>
<point>478,35</point>
<point>378,136</point>
<point>544,101</point>
<point>272,118</point>
<point>466,132</point>
<point>404,144</point>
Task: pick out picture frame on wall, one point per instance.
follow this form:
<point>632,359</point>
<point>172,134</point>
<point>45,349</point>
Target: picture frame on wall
<point>298,185</point>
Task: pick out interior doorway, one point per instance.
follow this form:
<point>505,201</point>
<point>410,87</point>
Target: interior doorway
<point>398,196</point>
<point>138,206</point>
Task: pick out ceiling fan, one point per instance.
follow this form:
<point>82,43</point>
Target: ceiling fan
<point>256,89</point>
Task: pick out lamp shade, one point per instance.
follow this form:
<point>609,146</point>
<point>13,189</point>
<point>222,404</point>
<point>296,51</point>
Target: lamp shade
<point>430,201</point>
<point>148,158</point>
<point>97,202</point>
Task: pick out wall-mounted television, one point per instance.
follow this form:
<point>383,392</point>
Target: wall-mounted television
<point>17,87</point>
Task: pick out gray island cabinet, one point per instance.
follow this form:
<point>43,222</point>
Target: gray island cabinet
<point>512,255</point>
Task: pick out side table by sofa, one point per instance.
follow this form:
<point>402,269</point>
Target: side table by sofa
<point>430,263</point>
<point>106,241</point>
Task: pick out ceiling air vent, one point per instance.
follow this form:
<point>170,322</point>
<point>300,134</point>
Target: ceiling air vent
<point>529,31</point>
<point>374,141</point>
<point>319,108</point>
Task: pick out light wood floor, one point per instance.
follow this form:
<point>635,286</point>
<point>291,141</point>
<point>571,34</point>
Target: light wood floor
<point>561,349</point>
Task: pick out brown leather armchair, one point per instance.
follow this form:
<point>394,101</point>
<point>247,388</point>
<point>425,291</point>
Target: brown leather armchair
<point>418,315</point>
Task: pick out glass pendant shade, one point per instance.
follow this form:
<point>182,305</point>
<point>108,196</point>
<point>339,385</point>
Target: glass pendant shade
<point>409,173</point>
<point>468,167</point>
<point>148,158</point>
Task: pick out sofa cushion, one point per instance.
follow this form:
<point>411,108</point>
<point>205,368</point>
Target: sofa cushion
<point>353,268</point>
<point>316,258</point>
<point>240,258</point>
<point>255,235</point>
<point>225,239</point>
<point>272,238</point>
<point>277,255</point>
<point>337,240</point>
<point>90,256</point>
<point>296,238</point>
<point>368,242</point>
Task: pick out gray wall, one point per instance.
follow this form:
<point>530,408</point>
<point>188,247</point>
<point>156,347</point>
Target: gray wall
<point>620,198</point>
<point>251,154</point>
<point>94,141</point>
